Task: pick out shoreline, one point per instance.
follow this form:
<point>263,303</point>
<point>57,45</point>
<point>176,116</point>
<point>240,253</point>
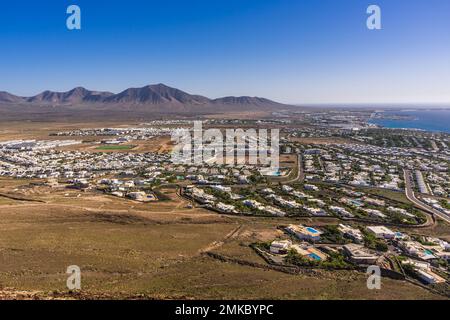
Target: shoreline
<point>413,120</point>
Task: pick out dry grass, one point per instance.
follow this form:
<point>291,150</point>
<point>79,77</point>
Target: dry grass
<point>156,251</point>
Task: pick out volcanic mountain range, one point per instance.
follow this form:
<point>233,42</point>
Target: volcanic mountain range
<point>148,96</point>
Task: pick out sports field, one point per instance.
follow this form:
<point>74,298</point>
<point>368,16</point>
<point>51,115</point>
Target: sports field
<point>115,147</point>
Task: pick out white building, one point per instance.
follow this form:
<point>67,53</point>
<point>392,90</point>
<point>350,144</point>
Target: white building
<point>352,233</point>
<point>304,233</point>
<point>429,277</point>
<point>280,246</point>
<point>381,232</point>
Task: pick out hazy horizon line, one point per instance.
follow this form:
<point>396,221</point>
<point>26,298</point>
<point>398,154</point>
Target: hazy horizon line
<point>421,105</point>
<point>414,105</point>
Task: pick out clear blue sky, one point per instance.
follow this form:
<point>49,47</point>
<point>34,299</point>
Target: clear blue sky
<point>294,51</point>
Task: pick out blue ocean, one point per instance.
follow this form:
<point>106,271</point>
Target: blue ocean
<point>429,120</point>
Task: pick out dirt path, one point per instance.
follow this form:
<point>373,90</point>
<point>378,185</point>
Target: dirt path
<point>98,210</point>
<point>217,244</point>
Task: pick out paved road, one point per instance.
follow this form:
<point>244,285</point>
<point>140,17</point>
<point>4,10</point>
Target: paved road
<point>412,197</point>
<point>300,174</point>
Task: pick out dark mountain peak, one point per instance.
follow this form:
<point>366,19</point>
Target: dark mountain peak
<point>156,94</point>
<point>76,95</point>
<point>79,90</point>
<point>164,90</point>
<point>46,96</point>
<point>160,86</point>
<point>7,97</point>
<point>244,100</point>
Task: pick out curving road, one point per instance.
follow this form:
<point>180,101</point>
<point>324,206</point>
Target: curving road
<point>412,197</point>
<point>300,177</point>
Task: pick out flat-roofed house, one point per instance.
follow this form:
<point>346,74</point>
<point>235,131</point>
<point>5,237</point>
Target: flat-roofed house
<point>381,232</point>
<point>360,255</point>
<point>304,233</point>
<point>280,246</point>
<point>429,277</point>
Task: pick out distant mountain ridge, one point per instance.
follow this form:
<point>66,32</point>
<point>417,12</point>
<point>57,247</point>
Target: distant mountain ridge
<point>76,95</point>
<point>158,94</point>
<point>149,102</point>
<point>10,98</point>
<point>243,101</point>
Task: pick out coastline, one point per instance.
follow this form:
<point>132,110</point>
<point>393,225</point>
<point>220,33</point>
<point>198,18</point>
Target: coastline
<point>423,120</point>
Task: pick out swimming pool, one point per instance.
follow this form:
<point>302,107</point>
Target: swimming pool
<point>314,256</point>
<point>312,230</point>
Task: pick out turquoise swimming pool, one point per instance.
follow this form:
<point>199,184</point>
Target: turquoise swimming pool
<point>314,256</point>
<point>312,230</point>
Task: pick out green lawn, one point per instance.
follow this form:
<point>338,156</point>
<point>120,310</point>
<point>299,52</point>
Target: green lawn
<point>115,147</point>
